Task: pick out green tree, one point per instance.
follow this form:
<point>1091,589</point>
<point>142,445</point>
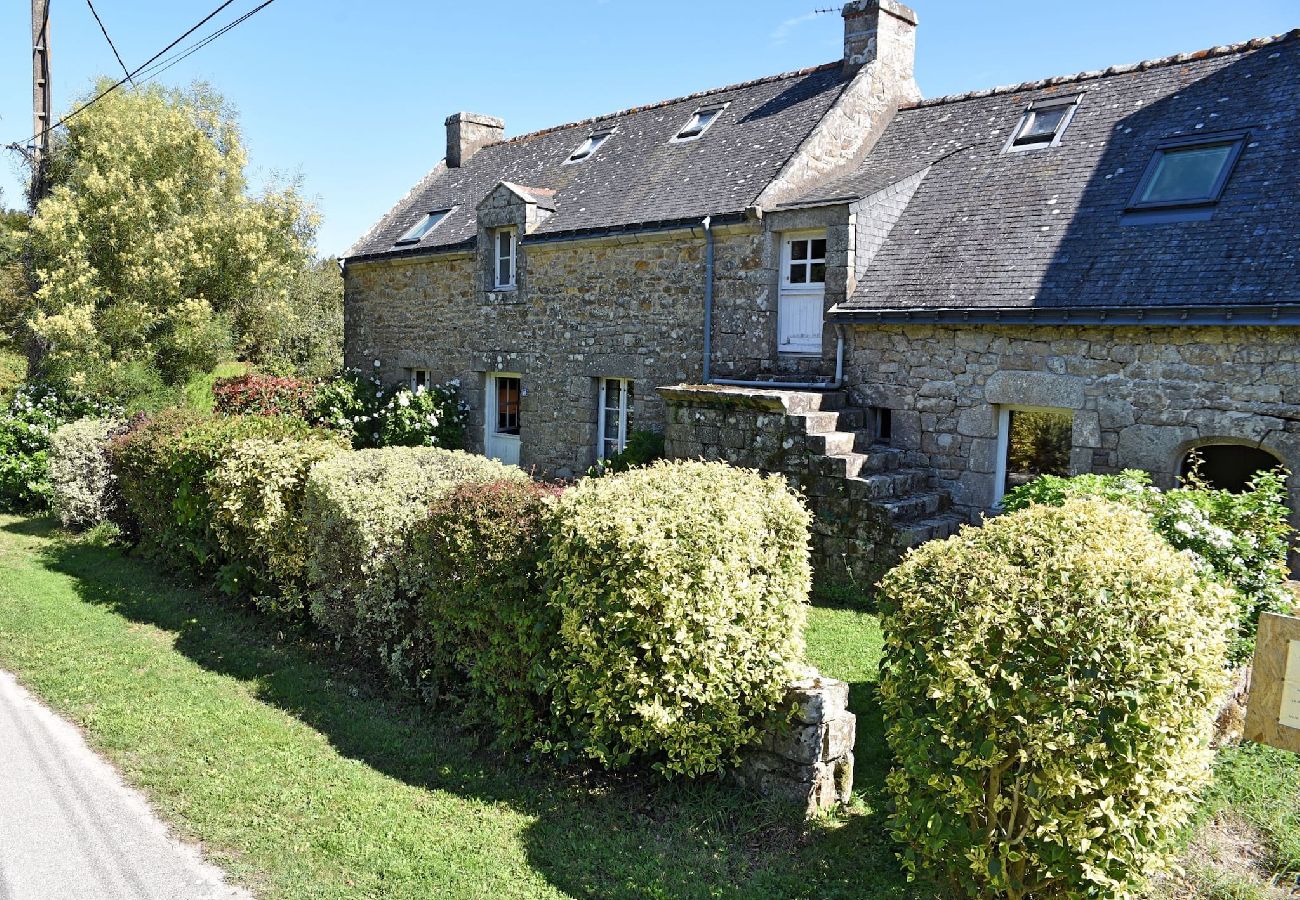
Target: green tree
<point>301,332</point>
<point>15,298</point>
<point>154,259</point>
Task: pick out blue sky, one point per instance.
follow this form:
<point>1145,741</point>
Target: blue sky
<point>352,95</point>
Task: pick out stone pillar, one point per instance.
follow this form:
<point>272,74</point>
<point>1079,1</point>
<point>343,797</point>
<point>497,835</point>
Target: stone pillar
<point>808,760</point>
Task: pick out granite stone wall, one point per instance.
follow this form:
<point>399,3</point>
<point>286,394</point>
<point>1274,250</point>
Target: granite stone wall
<point>627,306</point>
<point>1141,396</point>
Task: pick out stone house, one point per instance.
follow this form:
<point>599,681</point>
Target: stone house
<point>905,305</point>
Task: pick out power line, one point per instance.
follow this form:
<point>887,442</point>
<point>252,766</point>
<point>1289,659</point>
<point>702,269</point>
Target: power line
<point>164,65</point>
<point>80,109</point>
<point>111,45</point>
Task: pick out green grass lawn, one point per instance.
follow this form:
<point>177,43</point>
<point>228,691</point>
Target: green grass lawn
<point>304,779</point>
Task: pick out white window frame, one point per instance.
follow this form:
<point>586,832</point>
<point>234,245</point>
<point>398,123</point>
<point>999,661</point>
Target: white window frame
<point>415,379</point>
<point>625,388</point>
<point>716,108</point>
<point>788,239</point>
<point>498,258</point>
<point>1004,441</point>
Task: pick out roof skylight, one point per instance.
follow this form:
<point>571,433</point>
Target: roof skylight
<point>589,146</point>
<point>1043,123</point>
<point>422,227</point>
<point>1189,171</point>
<point>699,122</point>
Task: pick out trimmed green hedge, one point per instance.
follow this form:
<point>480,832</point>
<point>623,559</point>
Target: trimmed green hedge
<point>681,590</point>
<point>162,467</point>
<point>257,498</point>
<point>650,617</point>
<point>83,491</point>
<point>486,609</point>
<point>1049,683</point>
<point>359,509</point>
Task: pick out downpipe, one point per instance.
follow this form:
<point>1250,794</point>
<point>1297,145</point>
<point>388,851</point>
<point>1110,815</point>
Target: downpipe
<point>708,337</point>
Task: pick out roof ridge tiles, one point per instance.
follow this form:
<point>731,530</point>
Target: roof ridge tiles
<point>1175,59</point>
<point>591,120</point>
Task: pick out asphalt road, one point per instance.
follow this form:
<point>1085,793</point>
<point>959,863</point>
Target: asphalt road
<point>71,830</point>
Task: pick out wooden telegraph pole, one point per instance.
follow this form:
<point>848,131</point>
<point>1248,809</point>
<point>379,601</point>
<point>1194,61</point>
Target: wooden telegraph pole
<point>41,119</point>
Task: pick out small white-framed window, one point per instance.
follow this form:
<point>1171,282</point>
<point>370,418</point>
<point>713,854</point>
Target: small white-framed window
<point>615,420</point>
<point>699,122</point>
<point>803,261</point>
<point>506,407</point>
<point>503,268</point>
<point>588,147</point>
<point>420,379</point>
<point>1043,123</point>
<point>1032,441</point>
<point>417,232</point>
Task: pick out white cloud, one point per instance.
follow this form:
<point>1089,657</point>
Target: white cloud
<point>782,31</point>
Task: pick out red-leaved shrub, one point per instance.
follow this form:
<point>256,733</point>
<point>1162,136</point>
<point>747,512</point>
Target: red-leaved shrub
<point>264,395</point>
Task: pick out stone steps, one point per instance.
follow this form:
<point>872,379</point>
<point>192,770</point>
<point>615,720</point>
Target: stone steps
<point>912,534</point>
<point>843,447</point>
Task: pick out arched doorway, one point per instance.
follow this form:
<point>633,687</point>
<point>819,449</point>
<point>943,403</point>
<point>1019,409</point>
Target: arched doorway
<point>1228,467</point>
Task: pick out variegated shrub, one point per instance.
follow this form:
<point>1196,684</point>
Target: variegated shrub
<point>681,589</point>
<point>360,509</point>
<point>1048,683</point>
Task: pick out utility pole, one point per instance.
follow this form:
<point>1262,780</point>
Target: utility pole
<point>41,120</point>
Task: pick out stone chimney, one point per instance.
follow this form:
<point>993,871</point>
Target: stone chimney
<point>882,31</point>
<point>468,133</point>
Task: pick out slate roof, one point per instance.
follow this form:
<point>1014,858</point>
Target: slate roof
<point>638,176</point>
<point>1044,230</point>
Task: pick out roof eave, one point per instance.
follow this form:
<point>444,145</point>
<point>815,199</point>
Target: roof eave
<point>1287,313</point>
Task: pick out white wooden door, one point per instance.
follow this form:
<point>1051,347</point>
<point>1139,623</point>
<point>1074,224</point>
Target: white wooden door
<point>501,425</point>
<point>802,293</point>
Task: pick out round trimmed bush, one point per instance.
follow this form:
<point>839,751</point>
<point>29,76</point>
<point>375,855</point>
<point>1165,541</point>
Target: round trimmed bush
<point>486,608</point>
<point>257,497</point>
<point>1048,683</point>
<point>681,589</point>
<point>83,491</point>
<point>365,582</point>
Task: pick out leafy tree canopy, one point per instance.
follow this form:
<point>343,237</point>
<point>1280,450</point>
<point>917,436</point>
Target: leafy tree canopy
<point>154,259</point>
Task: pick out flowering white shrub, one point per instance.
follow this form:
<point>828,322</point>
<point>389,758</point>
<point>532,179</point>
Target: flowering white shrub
<point>375,416</point>
<point>1238,539</point>
<point>25,429</point>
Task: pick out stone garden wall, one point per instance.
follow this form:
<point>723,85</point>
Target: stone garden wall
<point>854,540</point>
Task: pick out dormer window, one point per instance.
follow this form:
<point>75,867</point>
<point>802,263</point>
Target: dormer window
<point>422,227</point>
<point>589,146</point>
<point>1189,171</point>
<point>1043,123</point>
<point>699,122</point>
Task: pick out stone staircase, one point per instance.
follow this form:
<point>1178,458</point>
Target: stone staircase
<point>844,445</point>
<point>868,504</point>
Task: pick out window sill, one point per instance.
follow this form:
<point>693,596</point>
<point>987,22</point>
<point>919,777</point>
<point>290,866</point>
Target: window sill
<point>1166,215</point>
